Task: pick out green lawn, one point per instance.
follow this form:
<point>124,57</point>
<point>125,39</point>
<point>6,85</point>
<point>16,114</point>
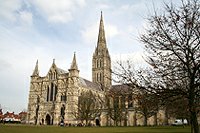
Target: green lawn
<point>57,129</point>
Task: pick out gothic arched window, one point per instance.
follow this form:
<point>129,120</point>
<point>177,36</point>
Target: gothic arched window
<point>62,112</point>
<point>100,63</point>
<point>100,76</point>
<point>53,75</point>
<point>47,94</point>
<point>63,98</point>
<point>55,92</point>
<point>130,101</point>
<point>51,92</point>
<point>97,63</point>
<point>97,77</point>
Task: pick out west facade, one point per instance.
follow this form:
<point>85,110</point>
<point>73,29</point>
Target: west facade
<point>53,98</point>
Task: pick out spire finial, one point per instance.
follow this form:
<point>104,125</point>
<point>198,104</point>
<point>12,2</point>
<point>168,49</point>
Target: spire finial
<point>74,64</point>
<point>101,18</point>
<point>36,71</point>
<point>53,64</point>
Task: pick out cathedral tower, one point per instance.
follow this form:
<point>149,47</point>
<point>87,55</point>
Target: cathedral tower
<point>72,91</point>
<point>101,62</point>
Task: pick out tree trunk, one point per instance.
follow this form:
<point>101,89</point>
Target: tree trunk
<point>135,119</point>
<point>194,122</point>
<point>193,113</point>
<point>145,120</point>
<point>155,120</point>
<point>125,122</point>
<point>166,122</point>
<point>86,122</point>
<point>116,123</point>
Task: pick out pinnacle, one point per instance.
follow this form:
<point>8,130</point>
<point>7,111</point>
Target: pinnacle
<point>36,71</point>
<point>74,64</point>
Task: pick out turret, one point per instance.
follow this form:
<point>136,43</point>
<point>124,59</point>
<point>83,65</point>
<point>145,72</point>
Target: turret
<point>72,91</point>
<point>73,71</point>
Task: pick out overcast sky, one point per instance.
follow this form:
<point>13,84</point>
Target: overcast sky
<point>55,29</point>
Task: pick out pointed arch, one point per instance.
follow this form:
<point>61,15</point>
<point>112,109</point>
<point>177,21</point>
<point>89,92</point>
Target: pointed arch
<point>62,112</point>
<point>47,93</point>
<point>100,77</point>
<point>51,92</point>
<point>100,63</point>
<point>97,63</point>
<point>97,77</point>
<point>48,119</point>
<point>55,92</point>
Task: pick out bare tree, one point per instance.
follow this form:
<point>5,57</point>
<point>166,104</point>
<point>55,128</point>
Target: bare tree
<point>115,108</point>
<point>147,105</point>
<point>146,98</point>
<point>117,103</point>
<point>172,45</point>
<point>89,107</point>
<point>177,108</point>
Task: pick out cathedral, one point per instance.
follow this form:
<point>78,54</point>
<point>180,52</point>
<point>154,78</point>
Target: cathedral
<point>59,90</point>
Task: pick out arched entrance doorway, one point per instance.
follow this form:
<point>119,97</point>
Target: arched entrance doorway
<point>42,121</point>
<point>97,122</point>
<point>48,119</point>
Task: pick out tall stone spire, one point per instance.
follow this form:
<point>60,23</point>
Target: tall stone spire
<point>36,70</point>
<point>101,62</point>
<point>101,37</point>
<point>74,65</point>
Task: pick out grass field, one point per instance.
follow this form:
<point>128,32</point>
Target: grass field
<point>57,129</point>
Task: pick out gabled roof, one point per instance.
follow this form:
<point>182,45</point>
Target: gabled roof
<point>120,89</point>
<point>58,70</point>
<point>61,71</point>
<point>12,115</point>
<point>22,113</point>
<point>89,84</point>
